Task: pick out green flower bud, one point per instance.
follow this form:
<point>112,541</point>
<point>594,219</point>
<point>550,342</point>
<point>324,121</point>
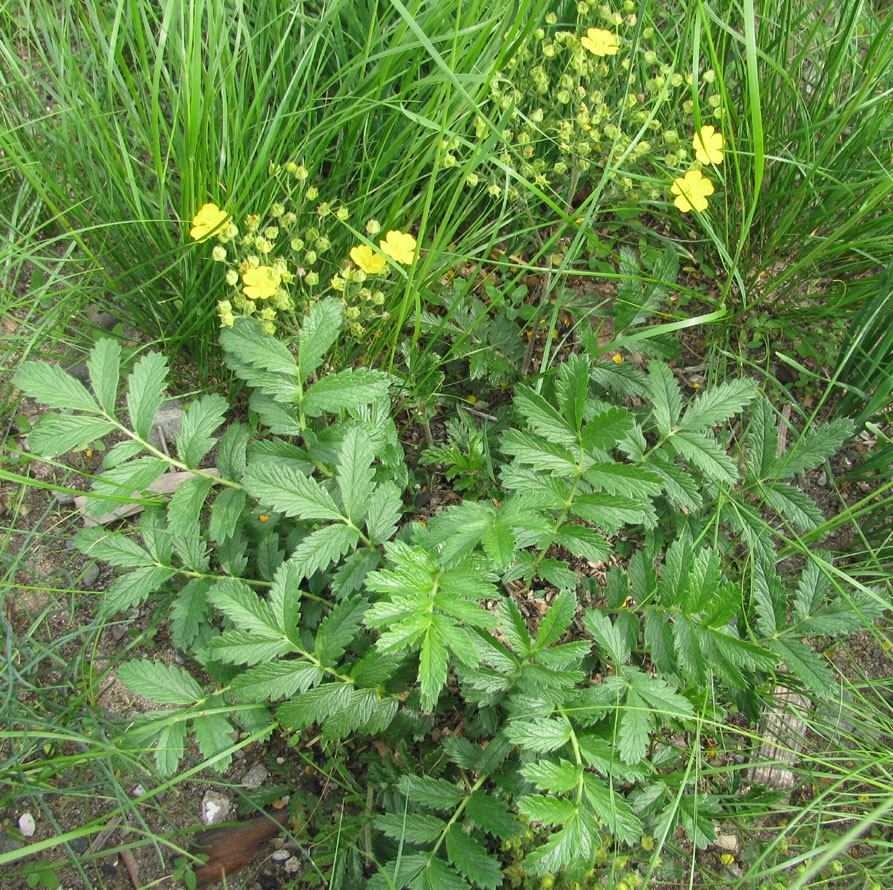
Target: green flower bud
<point>312,193</point>
<point>218,254</point>
<point>312,279</point>
<point>271,232</point>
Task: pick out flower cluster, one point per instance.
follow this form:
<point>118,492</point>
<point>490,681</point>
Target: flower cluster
<point>693,189</point>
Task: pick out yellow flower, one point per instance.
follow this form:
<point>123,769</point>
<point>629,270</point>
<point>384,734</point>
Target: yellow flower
<point>261,283</point>
<point>208,220</point>
<point>691,191</point>
<point>708,146</point>
<point>398,246</point>
<point>600,42</point>
<point>367,259</point>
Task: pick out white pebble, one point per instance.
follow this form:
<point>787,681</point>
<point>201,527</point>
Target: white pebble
<point>26,825</point>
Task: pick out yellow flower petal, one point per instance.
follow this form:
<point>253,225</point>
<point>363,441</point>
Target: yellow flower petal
<point>209,219</point>
<point>261,283</point>
<point>600,42</point>
<point>692,191</point>
<point>399,246</point>
<point>367,259</point>
<point>708,146</point>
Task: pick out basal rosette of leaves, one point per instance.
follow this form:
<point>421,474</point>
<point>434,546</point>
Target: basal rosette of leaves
<point>289,575</point>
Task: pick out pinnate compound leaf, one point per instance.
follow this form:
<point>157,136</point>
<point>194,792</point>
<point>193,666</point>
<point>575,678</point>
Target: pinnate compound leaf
<point>624,479</point>
<point>606,429</point>
<point>243,647</point>
<point>315,705</point>
<point>213,735</point>
<point>231,453</point>
<point>57,433</point>
<point>318,332</point>
<point>200,420</point>
<point>383,512</point>
<point>607,636</point>
<point>612,809</point>
<point>514,628</point>
<point>572,388</point>
<point>145,387</point>
<point>472,860</point>
<point>52,386</point>
<point>717,404</point>
<point>104,368</point>
<point>548,810</point>
<point>161,683</point>
<point>225,514</point>
<point>169,746</point>
<point>793,504</point>
<point>114,548</point>
<point>432,667</point>
<point>810,668</point>
<point>349,389</point>
<point>190,610</point>
<point>285,489</point>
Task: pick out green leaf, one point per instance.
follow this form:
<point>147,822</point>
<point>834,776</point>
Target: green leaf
<point>169,747</point>
<point>793,504</point>
<point>627,480</point>
<point>225,514</point>
<point>213,734</point>
<point>607,636</point>
<point>319,331</point>
<point>288,491</point>
<point>611,512</point>
<point>812,448</point>
<point>349,389</point>
<point>411,828</point>
<point>52,386</point>
<point>351,574</point>
<point>190,610</point>
<point>557,620</point>
<point>432,667</point>
<point>315,705</point>
<point>807,666</point>
<point>57,433</point>
<point>584,542</point>
<point>612,809</point>
<point>278,418</point>
<point>284,599</point>
<point>145,386</point>
<point>555,778</point>
<point>185,506</point>
<point>354,473</point>
<point>160,683</point>
<point>426,791</point>
<point>716,404</point>
<point>762,439</point>
<point>471,859</point>
<point>514,628</point>
<point>705,453</point>
<point>666,399</point>
<point>231,452</point>
<point>133,588</point>
<point>491,816</point>
<point>112,547</point>
<point>572,388</point>
<point>263,362</point>
<point>548,810</point>
<point>383,512</point>
<point>539,735</point>
<point>243,647</point>
<point>242,605</point>
<point>635,722</point>
<point>534,451</point>
<point>323,547</point>
<point>273,681</point>
<point>543,418</point>
<point>104,368</point>
<point>200,420</point>
<point>337,630</point>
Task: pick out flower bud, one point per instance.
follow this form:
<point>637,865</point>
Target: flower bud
<point>218,254</point>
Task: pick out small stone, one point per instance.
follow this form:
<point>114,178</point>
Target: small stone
<point>118,631</point>
<point>293,865</point>
<point>90,576</point>
<point>726,842</point>
<point>877,654</point>
<point>79,371</point>
<point>281,855</point>
<point>26,825</point>
<point>255,777</point>
<point>739,758</point>
<point>138,791</point>
<point>64,498</point>
<point>78,844</point>
<point>167,423</point>
<point>215,808</point>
